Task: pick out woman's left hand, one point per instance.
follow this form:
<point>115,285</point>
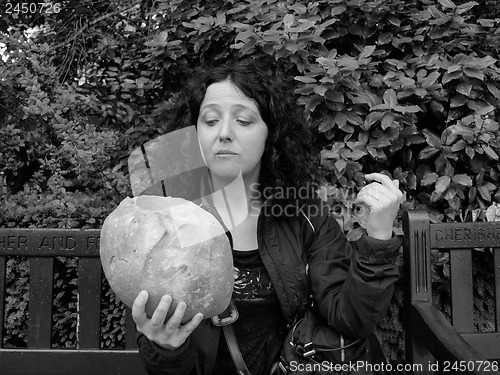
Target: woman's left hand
<point>382,197</point>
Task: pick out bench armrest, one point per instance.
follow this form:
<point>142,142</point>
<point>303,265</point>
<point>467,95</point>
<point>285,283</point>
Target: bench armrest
<point>441,339</point>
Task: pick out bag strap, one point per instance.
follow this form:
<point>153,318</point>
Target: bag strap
<point>232,344</point>
<point>226,320</point>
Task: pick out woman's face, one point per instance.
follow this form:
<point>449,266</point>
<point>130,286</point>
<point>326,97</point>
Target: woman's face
<point>231,131</point>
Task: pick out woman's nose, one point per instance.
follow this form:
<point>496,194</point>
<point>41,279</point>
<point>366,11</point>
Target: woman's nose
<point>226,130</point>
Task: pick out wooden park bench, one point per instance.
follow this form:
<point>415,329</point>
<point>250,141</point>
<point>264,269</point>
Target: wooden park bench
<point>41,247</point>
<point>430,338</point>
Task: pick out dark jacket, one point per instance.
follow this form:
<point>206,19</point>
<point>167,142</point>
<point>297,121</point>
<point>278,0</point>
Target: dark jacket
<point>352,284</point>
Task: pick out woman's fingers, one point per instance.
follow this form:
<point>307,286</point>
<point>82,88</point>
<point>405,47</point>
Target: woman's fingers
<point>169,334</point>
<point>385,190</point>
<point>139,308</point>
<point>161,311</point>
<point>392,185</point>
<point>382,197</point>
<point>376,193</point>
<point>175,320</point>
<point>192,324</point>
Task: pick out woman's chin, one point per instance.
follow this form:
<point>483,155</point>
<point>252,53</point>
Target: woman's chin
<point>227,171</point>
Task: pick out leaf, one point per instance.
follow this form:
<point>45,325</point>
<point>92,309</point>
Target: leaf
<point>463,8</point>
<point>430,79</point>
<point>485,110</point>
<point>470,152</point>
<point>243,35</point>
<point>493,89</point>
<point>288,20</point>
<point>336,10</point>
<point>458,101</point>
<point>305,79</point>
<point>435,12</point>
<point>464,88</point>
<point>385,38</point>
<point>448,4</point>
<point>354,119</point>
<point>158,40</point>
<point>320,89</point>
<point>432,139</point>
<point>484,192</point>
<point>372,118</point>
<point>460,145</point>
<point>490,152</point>
<point>395,21</point>
<point>390,98</point>
<point>341,119</point>
<point>334,96</point>
<point>387,121</point>
<point>474,73</point>
<point>312,102</point>
<point>367,52</point>
<point>442,184</point>
<point>340,165</point>
<point>462,179</point>
<point>429,179</point>
<point>493,212</point>
<point>326,124</point>
<point>427,153</point>
<point>447,77</point>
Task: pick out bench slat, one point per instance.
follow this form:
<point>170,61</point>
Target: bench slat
<point>486,342</point>
<point>89,302</point>
<point>3,270</point>
<point>464,235</point>
<point>461,290</point>
<point>49,242</point>
<point>130,333</point>
<point>40,302</point>
<point>69,361</point>
<point>496,257</point>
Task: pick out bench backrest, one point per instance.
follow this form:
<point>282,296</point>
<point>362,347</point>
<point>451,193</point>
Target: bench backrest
<point>41,247</point>
<point>459,239</point>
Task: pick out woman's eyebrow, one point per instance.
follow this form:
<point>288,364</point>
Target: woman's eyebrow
<point>245,107</point>
<point>210,105</point>
<point>234,107</point>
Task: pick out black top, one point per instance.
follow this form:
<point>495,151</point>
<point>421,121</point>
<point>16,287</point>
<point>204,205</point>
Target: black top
<point>258,326</point>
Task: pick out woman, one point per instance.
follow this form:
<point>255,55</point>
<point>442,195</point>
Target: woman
<point>248,123</point>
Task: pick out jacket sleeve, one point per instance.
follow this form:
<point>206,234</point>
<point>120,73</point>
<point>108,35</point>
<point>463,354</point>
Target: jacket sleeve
<point>352,285</point>
<point>159,361</point>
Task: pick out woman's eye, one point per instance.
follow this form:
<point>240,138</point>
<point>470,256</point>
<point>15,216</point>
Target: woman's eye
<point>244,122</point>
<point>211,122</point>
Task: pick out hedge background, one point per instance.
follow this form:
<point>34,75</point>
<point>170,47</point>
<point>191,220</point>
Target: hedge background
<point>407,87</point>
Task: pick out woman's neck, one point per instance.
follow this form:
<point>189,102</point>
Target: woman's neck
<point>236,200</point>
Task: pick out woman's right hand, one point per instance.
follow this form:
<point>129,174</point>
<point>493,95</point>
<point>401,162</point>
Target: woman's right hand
<point>170,334</point>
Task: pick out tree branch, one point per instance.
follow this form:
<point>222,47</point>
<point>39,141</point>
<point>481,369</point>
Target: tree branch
<point>97,20</point>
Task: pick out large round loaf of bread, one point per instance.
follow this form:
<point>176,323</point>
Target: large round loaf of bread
<point>169,246</point>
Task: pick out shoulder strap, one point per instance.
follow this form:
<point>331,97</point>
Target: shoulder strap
<point>226,320</point>
<point>232,344</point>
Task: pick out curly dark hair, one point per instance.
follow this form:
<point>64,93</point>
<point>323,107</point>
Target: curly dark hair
<point>287,161</point>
